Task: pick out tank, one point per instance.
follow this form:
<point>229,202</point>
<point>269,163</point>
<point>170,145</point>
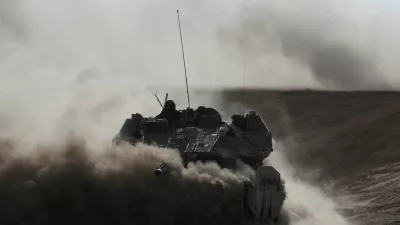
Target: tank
<point>201,135</point>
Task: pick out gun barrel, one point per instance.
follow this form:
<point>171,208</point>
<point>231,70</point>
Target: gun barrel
<point>161,169</point>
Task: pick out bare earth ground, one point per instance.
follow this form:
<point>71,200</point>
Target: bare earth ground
<point>350,138</point>
<point>353,137</point>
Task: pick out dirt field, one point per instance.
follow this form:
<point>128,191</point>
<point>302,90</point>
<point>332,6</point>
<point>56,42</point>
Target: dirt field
<point>342,132</point>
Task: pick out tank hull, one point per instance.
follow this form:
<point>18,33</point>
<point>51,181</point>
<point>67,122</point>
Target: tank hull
<point>245,140</point>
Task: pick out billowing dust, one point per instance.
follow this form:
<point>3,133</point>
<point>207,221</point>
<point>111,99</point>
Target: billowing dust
<point>71,183</point>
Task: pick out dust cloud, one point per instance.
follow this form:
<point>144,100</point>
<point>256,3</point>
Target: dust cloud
<point>306,203</point>
<point>70,183</point>
<point>71,72</point>
<point>335,45</point>
<point>307,44</point>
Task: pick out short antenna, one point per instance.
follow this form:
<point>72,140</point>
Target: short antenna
<point>159,101</point>
<point>166,98</point>
<point>244,80</point>
<point>183,56</point>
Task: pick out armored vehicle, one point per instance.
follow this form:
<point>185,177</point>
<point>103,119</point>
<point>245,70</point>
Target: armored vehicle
<point>201,135</point>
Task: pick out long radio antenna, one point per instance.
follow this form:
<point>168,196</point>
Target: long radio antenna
<point>183,56</point>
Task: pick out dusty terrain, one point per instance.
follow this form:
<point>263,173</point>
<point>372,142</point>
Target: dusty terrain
<point>349,137</point>
<point>345,138</point>
<point>344,132</point>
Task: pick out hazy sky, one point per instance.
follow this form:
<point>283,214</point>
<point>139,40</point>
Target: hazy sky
<point>284,43</point>
<point>69,62</point>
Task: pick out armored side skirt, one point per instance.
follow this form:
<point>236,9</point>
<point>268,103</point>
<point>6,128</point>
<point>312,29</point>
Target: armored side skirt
<point>263,198</point>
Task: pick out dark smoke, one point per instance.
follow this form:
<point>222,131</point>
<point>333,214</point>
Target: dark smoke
<point>73,184</point>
